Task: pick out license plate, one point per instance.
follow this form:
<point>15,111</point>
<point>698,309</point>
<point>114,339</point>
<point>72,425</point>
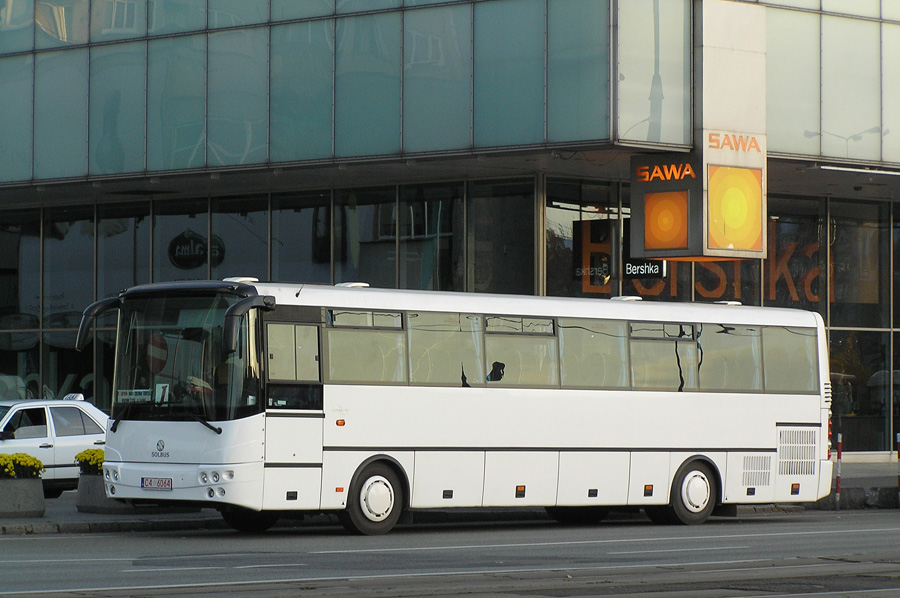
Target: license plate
<point>156,483</point>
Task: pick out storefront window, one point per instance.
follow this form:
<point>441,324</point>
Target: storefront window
<point>734,280</point>
<point>431,243</point>
<point>582,236</point>
<point>365,233</point>
<point>68,268</point>
<point>861,389</point>
<point>500,237</point>
<point>240,235</point>
<point>301,237</point>
<point>180,250</point>
<point>123,247</point>
<point>794,269</point>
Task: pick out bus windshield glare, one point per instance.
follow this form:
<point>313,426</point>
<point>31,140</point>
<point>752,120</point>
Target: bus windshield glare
<point>171,363</point>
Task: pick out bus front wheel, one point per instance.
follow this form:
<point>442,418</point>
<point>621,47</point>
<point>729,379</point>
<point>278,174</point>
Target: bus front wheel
<point>245,520</point>
<point>694,494</point>
<point>375,501</point>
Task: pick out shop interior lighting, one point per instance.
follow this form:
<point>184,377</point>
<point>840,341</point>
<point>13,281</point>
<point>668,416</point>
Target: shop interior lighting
<point>860,170</point>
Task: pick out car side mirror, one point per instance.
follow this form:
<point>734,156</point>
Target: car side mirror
<point>7,435</point>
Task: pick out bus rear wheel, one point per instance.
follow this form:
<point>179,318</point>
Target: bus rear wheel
<point>245,520</point>
<point>375,502</point>
<point>694,494</point>
<point>577,515</point>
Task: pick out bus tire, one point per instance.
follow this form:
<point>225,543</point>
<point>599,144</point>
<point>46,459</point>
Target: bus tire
<point>577,515</point>
<point>245,520</point>
<point>375,501</point>
<point>694,494</point>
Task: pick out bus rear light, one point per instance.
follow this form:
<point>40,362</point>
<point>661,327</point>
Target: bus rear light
<point>648,490</point>
<point>520,491</point>
<point>340,423</point>
<point>795,489</point>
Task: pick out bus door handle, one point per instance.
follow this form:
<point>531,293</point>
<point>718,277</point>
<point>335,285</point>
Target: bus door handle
<point>46,445</point>
<point>99,442</point>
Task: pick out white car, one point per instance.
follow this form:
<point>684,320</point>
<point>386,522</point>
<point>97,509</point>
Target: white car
<point>54,431</point>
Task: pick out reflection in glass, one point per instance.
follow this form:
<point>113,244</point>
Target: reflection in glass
<point>795,265</point>
<point>180,250</point>
<point>890,88</point>
<point>437,79</point>
<point>176,103</point>
<point>732,280</point>
<point>20,284</point>
<point>60,114</point>
<point>851,77</point>
<point>123,248</point>
<point>367,85</point>
<point>860,387</point>
<point>61,23</point>
<point>582,232</point>
<point>301,237</point>
<point>68,266</point>
<point>446,349</point>
<point>234,13</point>
<point>20,376</point>
<point>238,97</point>
<point>16,26</point>
<point>431,237</point>
<point>509,72</point>
<point>118,19</point>
<point>65,370</point>
<point>16,86</point>
<point>500,237</point>
<point>118,80</point>
<point>173,17</point>
<point>301,91</point>
<point>792,95</point>
<point>345,6</point>
<point>593,353</point>
<point>654,87</point>
<point>291,9</point>
<point>242,227</point>
<point>860,261</point>
<point>578,70</point>
<point>365,235</point>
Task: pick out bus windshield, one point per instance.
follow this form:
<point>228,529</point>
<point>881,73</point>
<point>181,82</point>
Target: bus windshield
<point>171,363</point>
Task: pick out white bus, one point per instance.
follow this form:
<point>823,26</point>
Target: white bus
<point>266,400</point>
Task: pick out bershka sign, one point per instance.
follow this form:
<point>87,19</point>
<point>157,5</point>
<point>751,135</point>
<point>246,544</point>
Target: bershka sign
<point>634,268</point>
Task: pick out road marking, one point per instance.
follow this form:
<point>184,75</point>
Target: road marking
<point>163,569</point>
<point>679,550</point>
<point>272,566</point>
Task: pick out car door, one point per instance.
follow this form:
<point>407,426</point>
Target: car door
<point>74,432</point>
<point>30,435</point>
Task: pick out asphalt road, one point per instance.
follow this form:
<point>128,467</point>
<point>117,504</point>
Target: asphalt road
<point>818,553</point>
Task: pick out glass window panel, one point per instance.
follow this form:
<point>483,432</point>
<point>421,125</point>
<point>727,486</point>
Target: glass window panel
<point>176,103</point>
<point>860,384</point>
<point>365,236</point>
<point>851,59</point>
<point>437,79</point>
<point>446,349</point>
<point>865,8</point>
<point>593,353</point>
<point>431,237</point>
<point>521,360</point>
<point>19,365</point>
<point>421,2</point>
<point>67,421</point>
<point>792,95</point>
<point>301,237</point>
<point>118,81</point>
<point>895,233</point>
<point>860,254</point>
<point>664,365</point>
<point>345,6</point>
<point>794,269</point>
<point>524,325</point>
<point>582,234</point>
<point>578,70</point>
<point>20,282</point>
<point>16,88</point>
<point>500,237</point>
<point>123,248</point>
<point>890,88</point>
<point>734,280</point>
<point>365,318</point>
<point>731,357</point>
<point>118,19</point>
<point>64,369</point>
<point>174,17</point>
<point>61,23</point>
<point>366,356</point>
<point>179,240</point>
<point>60,127</point>
<point>292,9</point>
<point>240,238</point>
<point>790,361</point>
<point>234,13</point>
<point>890,9</point>
<point>301,90</point>
<point>813,4</point>
<point>68,266</point>
<point>99,391</point>
<point>509,72</point>
<point>17,26</point>
<point>238,97</point>
<point>662,330</point>
<point>367,85</point>
<point>654,103</point>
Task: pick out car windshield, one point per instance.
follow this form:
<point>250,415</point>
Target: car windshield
<point>171,364</point>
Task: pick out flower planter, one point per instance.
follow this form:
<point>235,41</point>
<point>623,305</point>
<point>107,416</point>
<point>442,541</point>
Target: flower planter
<point>21,498</point>
<point>91,497</point>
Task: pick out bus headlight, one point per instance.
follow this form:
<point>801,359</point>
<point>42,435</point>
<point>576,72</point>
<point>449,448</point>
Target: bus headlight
<point>204,479</point>
<point>215,477</point>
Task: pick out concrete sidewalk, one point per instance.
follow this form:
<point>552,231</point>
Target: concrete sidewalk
<point>863,485</point>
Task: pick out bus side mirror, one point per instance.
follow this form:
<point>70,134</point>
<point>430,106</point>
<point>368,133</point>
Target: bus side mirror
<point>234,314</point>
<point>90,314</point>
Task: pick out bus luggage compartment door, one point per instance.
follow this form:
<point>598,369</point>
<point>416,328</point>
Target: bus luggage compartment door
<point>293,470</point>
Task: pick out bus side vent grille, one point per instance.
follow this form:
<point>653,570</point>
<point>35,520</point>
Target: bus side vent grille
<point>796,452</point>
<point>828,394</point>
<point>757,470</point>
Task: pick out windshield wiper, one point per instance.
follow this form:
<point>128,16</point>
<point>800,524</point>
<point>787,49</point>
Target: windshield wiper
<point>122,415</point>
<point>204,421</point>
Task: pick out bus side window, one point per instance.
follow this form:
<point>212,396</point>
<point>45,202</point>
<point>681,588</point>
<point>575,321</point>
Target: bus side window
<point>790,360</point>
<point>293,352</point>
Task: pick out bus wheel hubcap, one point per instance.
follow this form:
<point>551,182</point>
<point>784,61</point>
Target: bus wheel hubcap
<point>695,492</point>
<point>377,498</point>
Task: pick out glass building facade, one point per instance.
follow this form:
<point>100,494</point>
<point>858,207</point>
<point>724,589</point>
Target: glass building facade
<point>477,146</point>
